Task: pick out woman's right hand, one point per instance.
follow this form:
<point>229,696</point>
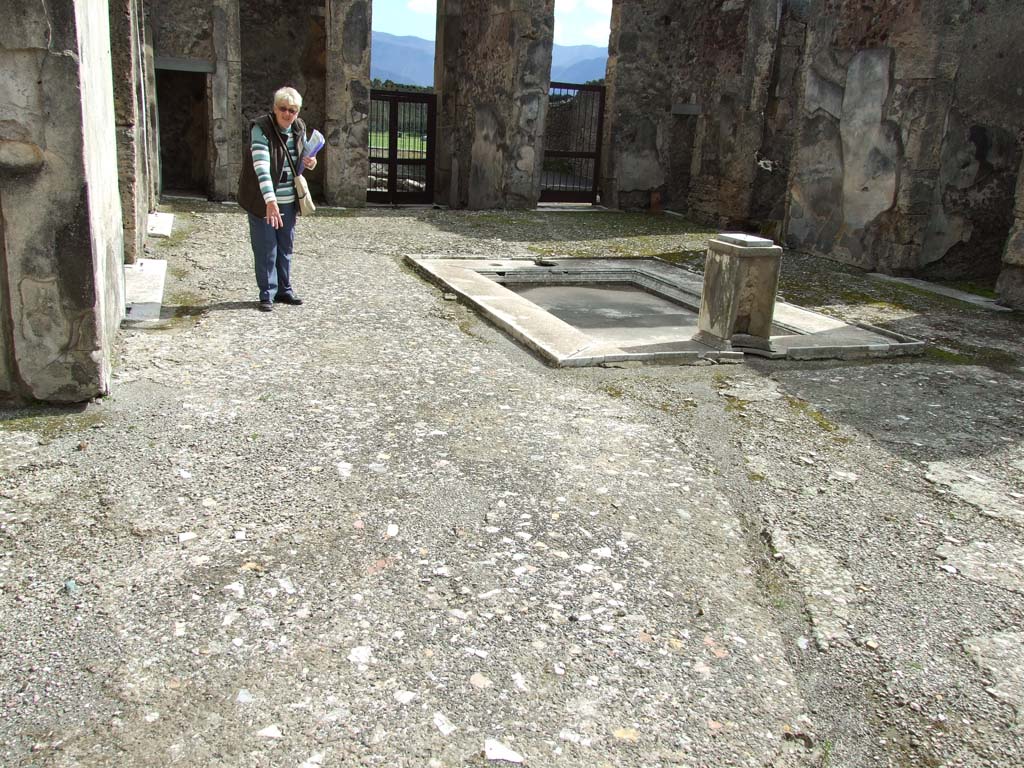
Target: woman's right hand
<point>274,215</point>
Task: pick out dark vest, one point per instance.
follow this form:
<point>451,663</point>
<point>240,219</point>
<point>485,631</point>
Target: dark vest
<point>249,195</point>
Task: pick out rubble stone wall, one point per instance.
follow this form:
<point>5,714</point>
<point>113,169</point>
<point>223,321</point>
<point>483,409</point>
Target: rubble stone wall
<point>284,42</point>
<point>61,279</point>
<point>208,32</point>
<point>1010,285</point>
<point>224,87</point>
<point>909,147</point>
<point>319,47</point>
<point>147,102</point>
<point>774,158</point>
<point>885,135</point>
<point>182,29</point>
<point>689,82</point>
<point>345,161</point>
<point>493,72</point>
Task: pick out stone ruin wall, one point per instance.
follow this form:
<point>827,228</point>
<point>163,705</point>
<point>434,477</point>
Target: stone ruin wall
<point>285,43</point>
<point>207,32</point>
<point>1010,285</point>
<point>61,237</point>
<point>774,157</point>
<point>319,47</point>
<point>686,97</point>
<point>885,135</point>
<point>492,76</point>
<point>493,72</point>
<point>909,145</point>
<point>346,125</point>
<point>639,152</point>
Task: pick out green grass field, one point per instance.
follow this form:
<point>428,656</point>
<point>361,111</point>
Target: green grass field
<point>409,144</point>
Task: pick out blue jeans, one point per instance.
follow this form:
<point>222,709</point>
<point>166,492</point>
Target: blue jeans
<point>272,253</point>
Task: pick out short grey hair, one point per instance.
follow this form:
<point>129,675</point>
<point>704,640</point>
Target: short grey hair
<point>287,96</point>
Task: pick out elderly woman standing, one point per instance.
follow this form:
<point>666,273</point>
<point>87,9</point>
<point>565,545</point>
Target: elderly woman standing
<point>266,189</point>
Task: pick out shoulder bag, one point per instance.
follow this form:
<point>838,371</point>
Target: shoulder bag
<point>306,206</point>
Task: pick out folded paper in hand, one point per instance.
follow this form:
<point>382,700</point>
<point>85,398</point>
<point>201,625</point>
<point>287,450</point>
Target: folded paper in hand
<point>314,144</point>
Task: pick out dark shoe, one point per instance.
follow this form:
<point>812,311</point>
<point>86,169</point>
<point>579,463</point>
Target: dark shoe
<point>288,298</point>
<point>266,306</point>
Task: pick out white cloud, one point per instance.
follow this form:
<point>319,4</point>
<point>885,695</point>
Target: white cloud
<point>597,34</point>
<point>428,7</point>
<point>582,22</point>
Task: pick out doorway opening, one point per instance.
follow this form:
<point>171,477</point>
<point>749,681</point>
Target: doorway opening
<point>183,114</point>
<point>574,129</point>
<point>403,106</point>
<point>401,147</point>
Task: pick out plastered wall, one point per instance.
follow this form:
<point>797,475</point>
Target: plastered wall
<point>61,287</point>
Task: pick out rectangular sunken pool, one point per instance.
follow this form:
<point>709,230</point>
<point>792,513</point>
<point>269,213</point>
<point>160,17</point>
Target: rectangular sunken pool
<point>622,314</point>
<point>580,312</point>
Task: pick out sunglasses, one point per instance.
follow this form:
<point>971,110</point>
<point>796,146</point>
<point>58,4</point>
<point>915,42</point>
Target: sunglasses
<point>289,110</point>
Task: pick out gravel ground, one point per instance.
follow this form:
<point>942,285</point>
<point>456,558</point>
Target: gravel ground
<point>371,530</point>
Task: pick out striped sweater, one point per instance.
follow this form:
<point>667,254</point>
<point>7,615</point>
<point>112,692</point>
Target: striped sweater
<point>285,187</point>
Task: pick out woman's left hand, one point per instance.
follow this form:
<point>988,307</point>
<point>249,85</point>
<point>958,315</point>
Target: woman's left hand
<point>309,163</point>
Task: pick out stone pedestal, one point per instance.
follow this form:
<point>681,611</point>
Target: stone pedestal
<point>741,277</point>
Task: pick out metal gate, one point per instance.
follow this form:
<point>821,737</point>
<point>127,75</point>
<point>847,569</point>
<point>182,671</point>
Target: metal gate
<point>572,143</point>
<point>401,147</point>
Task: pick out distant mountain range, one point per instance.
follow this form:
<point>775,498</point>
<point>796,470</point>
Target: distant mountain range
<point>410,61</point>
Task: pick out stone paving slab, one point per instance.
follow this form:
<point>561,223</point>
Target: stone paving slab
<point>1002,656</point>
<point>159,224</point>
<point>144,289</point>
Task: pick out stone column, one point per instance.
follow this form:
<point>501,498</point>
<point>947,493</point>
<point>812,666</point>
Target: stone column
<point>447,46</point>
<point>125,49</point>
<point>62,248</point>
<point>347,124</point>
<point>225,89</point>
<point>149,114</point>
<point>493,72</point>
<point>1010,285</point>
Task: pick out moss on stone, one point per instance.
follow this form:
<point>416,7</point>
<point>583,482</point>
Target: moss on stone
<point>613,390</point>
<point>987,289</point>
<point>805,408</point>
<point>184,224</point>
<point>949,352</point>
<point>336,213</point>
<point>185,303</point>
<point>49,424</point>
<point>735,404</point>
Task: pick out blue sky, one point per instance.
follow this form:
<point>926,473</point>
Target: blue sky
<point>577,22</point>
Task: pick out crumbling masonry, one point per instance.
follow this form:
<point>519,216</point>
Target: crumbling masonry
<point>881,134</point>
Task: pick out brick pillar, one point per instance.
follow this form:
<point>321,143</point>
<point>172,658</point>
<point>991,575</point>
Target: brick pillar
<point>125,51</point>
